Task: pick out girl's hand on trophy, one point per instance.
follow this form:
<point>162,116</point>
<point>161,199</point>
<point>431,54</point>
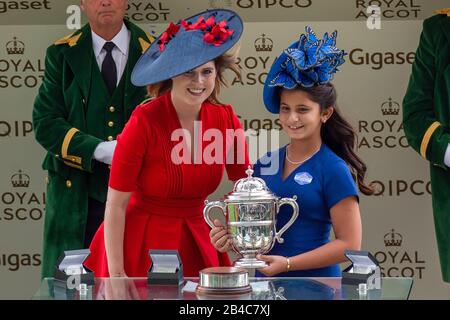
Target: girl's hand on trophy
<point>276,265</point>
<point>219,237</point>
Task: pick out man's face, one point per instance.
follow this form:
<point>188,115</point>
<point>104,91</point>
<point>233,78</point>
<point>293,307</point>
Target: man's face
<point>101,13</point>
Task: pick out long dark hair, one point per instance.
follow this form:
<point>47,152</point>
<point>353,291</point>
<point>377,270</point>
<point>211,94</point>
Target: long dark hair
<point>338,134</point>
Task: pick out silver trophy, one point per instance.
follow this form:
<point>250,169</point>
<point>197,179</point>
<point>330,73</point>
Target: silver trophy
<point>251,216</point>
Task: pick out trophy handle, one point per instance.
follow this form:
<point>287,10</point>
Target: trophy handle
<point>209,206</point>
<point>293,203</point>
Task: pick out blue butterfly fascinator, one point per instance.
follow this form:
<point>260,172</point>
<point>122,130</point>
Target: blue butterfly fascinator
<point>307,62</point>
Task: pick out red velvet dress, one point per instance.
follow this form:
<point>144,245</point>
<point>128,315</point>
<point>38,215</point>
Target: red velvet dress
<point>166,206</point>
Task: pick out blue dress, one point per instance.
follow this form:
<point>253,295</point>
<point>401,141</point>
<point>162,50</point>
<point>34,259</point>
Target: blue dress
<point>319,183</point>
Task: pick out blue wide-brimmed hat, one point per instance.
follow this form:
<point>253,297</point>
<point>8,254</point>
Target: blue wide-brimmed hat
<point>307,62</point>
<point>187,45</point>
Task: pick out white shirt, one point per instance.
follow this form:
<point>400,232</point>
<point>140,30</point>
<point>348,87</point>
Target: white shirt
<point>447,156</point>
<point>119,53</point>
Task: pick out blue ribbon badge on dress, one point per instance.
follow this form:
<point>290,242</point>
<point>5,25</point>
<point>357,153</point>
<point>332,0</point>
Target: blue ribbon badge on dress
<point>303,178</point>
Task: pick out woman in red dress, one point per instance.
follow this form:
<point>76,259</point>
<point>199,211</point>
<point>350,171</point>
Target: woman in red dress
<point>172,153</point>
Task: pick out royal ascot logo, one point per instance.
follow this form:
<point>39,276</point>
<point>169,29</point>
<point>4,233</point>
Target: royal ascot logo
<point>263,44</point>
<point>393,239</point>
<point>15,47</point>
<point>20,204</point>
<point>380,60</point>
<point>395,261</point>
<point>148,11</point>
<point>273,4</point>
<point>390,108</point>
<point>384,132</point>
<point>16,71</point>
<point>15,128</point>
<point>218,4</point>
<point>20,180</point>
<point>389,9</point>
<point>10,6</point>
<point>254,68</point>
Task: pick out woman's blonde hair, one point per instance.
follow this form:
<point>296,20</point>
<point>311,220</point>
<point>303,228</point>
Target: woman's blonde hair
<point>229,60</point>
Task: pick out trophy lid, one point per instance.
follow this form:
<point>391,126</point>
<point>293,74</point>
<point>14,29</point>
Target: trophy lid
<point>250,188</point>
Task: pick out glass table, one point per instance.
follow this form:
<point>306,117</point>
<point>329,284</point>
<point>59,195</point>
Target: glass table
<point>262,289</point>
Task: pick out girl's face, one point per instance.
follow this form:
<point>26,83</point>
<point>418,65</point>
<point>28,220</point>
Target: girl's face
<point>195,86</point>
<point>300,117</point>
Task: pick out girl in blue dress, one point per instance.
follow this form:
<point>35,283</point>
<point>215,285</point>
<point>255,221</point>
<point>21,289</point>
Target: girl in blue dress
<point>319,164</point>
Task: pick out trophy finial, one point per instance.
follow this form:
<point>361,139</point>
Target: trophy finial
<point>249,172</point>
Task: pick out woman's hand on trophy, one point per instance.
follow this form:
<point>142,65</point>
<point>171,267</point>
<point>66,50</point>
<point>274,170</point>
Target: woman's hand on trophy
<point>276,265</point>
<point>219,237</point>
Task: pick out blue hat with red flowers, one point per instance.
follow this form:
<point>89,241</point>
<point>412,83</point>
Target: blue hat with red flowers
<point>187,45</point>
<point>307,62</point>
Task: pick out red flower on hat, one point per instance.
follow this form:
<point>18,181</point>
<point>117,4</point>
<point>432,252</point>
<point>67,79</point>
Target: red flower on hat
<point>214,33</point>
<point>200,24</point>
<point>218,34</point>
<point>168,35</point>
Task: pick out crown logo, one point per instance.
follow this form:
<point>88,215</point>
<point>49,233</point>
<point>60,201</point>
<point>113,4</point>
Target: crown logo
<point>15,46</point>
<point>20,180</point>
<point>393,239</point>
<point>263,44</point>
<point>390,108</point>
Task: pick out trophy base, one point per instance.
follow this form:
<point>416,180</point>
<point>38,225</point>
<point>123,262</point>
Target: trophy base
<point>250,263</point>
<point>223,292</point>
<point>224,282</point>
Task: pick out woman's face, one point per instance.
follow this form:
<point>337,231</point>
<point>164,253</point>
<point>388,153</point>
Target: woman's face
<point>195,86</point>
<point>300,117</point>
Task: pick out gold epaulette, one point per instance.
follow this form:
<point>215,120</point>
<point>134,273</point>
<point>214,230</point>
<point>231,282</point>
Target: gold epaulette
<point>144,44</point>
<point>443,11</point>
<point>150,37</point>
<point>71,39</point>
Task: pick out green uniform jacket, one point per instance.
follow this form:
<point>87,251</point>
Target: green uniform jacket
<point>426,120</point>
<point>59,120</point>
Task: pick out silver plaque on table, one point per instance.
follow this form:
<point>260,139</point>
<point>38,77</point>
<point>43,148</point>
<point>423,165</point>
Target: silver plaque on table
<point>251,216</point>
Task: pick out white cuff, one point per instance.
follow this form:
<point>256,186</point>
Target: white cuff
<point>105,151</point>
<point>447,156</point>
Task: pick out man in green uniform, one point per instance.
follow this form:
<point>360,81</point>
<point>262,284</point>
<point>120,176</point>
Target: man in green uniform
<point>426,120</point>
<point>82,105</point>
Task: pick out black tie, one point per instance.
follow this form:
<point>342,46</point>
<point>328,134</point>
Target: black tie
<point>109,70</point>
